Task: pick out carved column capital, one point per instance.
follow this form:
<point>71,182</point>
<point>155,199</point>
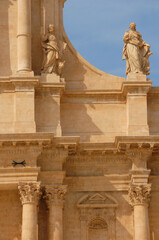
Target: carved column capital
<point>139,194</point>
<point>30,192</point>
<point>55,194</point>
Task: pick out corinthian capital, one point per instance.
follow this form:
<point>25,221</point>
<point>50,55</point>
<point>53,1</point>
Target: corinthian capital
<point>55,194</point>
<point>30,192</point>
<point>139,194</point>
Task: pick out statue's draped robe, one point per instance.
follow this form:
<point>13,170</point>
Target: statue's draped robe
<point>50,54</point>
<point>136,52</point>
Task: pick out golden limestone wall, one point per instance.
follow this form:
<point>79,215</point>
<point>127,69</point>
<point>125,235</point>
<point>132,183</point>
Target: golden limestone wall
<point>79,148</point>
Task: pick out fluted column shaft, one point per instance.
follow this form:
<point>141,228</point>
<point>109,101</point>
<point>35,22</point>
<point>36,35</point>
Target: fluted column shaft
<point>139,196</point>
<point>24,35</point>
<point>54,196</point>
<point>30,194</point>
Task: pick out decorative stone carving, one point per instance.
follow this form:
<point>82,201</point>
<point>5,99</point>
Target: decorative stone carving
<point>136,52</point>
<point>97,200</point>
<point>30,192</point>
<point>139,194</point>
<point>97,223</point>
<point>55,194</point>
<point>97,212</point>
<point>52,62</point>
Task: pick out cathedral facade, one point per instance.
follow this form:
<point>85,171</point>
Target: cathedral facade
<point>79,148</point>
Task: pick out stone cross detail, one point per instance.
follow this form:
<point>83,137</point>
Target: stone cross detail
<point>139,194</point>
<point>30,192</point>
<point>55,194</point>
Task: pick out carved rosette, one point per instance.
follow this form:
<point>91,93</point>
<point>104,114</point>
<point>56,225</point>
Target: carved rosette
<point>30,192</point>
<point>139,194</point>
<point>55,194</point>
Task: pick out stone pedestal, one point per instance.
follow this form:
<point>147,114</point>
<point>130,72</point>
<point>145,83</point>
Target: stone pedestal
<point>30,194</point>
<point>136,77</point>
<point>24,105</point>
<point>136,91</point>
<point>54,196</point>
<point>139,196</point>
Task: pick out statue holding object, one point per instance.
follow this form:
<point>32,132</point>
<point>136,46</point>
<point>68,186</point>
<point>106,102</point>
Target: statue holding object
<point>136,52</point>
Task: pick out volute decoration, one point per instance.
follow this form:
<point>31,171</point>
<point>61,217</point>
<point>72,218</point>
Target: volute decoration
<point>30,192</point>
<point>55,194</point>
<point>136,52</point>
<point>139,194</point>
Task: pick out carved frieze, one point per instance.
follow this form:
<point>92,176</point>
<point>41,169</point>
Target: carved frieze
<point>55,194</point>
<point>30,192</point>
<point>139,194</point>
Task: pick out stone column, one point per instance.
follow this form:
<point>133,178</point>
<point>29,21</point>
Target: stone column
<point>29,195</point>
<point>24,36</point>
<point>139,196</point>
<point>54,196</point>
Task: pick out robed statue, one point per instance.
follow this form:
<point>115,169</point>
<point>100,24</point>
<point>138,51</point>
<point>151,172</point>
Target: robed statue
<point>52,61</point>
<point>136,52</point>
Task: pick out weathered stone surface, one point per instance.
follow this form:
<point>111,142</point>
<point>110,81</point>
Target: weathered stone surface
<point>76,126</point>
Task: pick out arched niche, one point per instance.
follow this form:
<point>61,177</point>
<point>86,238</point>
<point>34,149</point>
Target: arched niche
<point>97,229</point>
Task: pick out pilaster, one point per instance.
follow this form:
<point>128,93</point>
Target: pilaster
<point>55,196</point>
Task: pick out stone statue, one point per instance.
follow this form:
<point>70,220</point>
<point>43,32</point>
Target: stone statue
<point>51,51</point>
<point>136,52</point>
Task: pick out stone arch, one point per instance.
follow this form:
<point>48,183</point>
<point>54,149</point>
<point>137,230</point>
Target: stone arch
<point>97,223</point>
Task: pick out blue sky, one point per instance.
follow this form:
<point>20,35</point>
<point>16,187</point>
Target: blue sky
<point>96,29</point>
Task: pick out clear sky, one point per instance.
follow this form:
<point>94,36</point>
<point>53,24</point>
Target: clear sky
<point>96,29</point>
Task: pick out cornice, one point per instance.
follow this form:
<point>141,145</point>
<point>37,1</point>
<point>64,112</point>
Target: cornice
<point>26,139</point>
<point>115,96</point>
<point>120,146</point>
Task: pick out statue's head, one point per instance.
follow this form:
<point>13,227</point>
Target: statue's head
<point>51,28</point>
<point>132,26</point>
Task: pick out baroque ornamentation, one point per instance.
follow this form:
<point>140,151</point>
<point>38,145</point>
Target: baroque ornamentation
<point>55,194</point>
<point>30,192</point>
<point>139,194</point>
<point>52,62</point>
<point>136,52</point>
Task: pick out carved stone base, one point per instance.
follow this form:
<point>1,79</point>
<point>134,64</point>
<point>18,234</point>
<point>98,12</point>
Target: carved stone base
<point>136,77</point>
<point>50,78</point>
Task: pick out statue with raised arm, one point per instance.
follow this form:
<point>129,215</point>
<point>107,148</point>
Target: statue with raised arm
<point>136,52</point>
<point>51,51</point>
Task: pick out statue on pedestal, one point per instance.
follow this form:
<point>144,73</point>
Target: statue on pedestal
<point>52,62</point>
<point>136,52</point>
